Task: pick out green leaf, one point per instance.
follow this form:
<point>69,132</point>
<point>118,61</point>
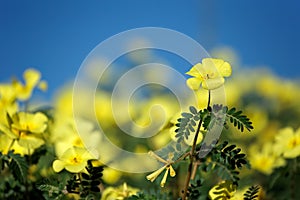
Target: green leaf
<point>238,120</point>
<point>18,166</point>
<point>251,193</point>
<point>193,110</point>
<point>186,124</point>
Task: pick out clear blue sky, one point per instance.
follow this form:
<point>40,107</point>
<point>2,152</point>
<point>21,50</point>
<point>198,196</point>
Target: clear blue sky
<point>55,36</point>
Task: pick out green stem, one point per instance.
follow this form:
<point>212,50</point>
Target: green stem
<point>190,168</point>
<point>192,155</point>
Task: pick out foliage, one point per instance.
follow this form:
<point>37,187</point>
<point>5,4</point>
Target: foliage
<point>237,119</point>
<point>42,156</point>
<point>225,160</point>
<point>251,193</point>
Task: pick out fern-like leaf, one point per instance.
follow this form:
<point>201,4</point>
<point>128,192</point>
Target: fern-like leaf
<point>251,193</point>
<point>50,191</point>
<point>186,124</point>
<point>223,190</point>
<point>194,190</point>
<point>238,119</point>
<point>225,161</point>
<point>18,166</point>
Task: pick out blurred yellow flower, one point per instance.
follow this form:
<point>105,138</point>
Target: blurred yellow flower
<point>209,73</point>
<point>118,193</point>
<point>7,144</point>
<point>266,159</point>
<point>29,122</point>
<point>32,79</point>
<point>26,129</point>
<point>288,142</point>
<point>151,177</point>
<point>66,133</point>
<point>73,160</point>
<point>8,103</point>
<point>111,176</point>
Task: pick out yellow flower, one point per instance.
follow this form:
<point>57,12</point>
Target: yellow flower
<point>288,142</point>
<point>32,79</point>
<point>28,122</point>
<point>26,129</point>
<point>209,73</point>
<point>73,160</point>
<point>111,176</point>
<point>265,159</point>
<point>66,133</point>
<point>118,193</point>
<point>8,103</point>
<point>7,144</point>
<point>151,177</point>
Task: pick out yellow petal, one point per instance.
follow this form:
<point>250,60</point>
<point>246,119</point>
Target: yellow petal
<point>151,177</point>
<point>30,141</point>
<point>164,180</point>
<point>196,71</point>
<point>215,83</point>
<point>7,132</point>
<point>193,83</point>
<point>35,123</point>
<point>31,77</point>
<point>172,171</point>
<point>224,69</point>
<point>76,168</point>
<point>58,165</point>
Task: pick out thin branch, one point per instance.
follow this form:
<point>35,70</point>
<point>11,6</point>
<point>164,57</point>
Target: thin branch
<point>192,154</point>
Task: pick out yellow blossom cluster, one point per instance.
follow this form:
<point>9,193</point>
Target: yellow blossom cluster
<point>21,130</point>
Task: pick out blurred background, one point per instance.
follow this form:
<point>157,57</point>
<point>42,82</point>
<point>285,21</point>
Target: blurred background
<point>55,36</point>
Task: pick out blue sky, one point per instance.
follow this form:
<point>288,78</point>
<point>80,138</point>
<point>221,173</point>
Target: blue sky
<point>56,36</point>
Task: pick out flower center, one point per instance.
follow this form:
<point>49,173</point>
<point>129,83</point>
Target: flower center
<point>75,160</point>
<point>293,143</point>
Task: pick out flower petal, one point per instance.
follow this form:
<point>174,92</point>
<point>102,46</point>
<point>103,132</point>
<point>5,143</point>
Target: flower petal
<point>164,180</point>
<point>75,168</point>
<point>224,69</point>
<point>151,177</point>
<point>196,71</point>
<point>215,83</point>
<point>58,165</point>
<point>31,77</point>
<point>193,83</point>
<point>172,171</point>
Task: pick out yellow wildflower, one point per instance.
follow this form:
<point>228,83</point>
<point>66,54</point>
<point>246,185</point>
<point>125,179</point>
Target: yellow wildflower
<point>288,142</point>
<point>32,79</point>
<point>111,176</point>
<point>34,123</point>
<point>7,144</point>
<point>8,104</point>
<point>73,160</point>
<point>26,129</point>
<point>66,133</point>
<point>266,159</point>
<point>209,73</point>
<point>118,193</point>
<point>151,177</point>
